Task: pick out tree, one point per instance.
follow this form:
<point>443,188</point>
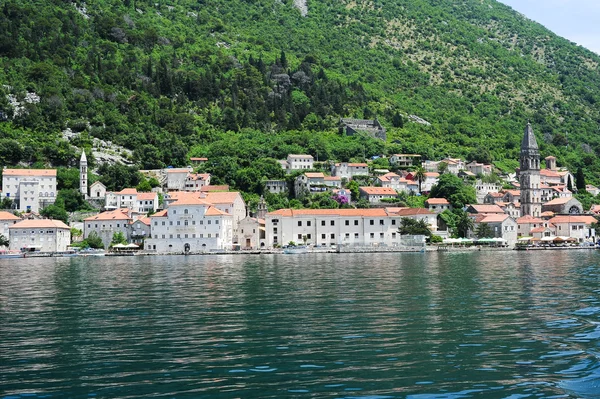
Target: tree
<point>580,179</point>
<point>419,174</point>
<point>55,212</point>
<point>118,238</point>
<point>3,241</point>
<point>397,120</point>
<point>93,241</point>
<point>463,223</point>
<point>354,190</point>
<point>75,232</point>
<point>484,231</point>
<point>6,203</point>
<point>410,226</point>
<point>71,200</point>
<point>442,167</point>
<point>454,190</point>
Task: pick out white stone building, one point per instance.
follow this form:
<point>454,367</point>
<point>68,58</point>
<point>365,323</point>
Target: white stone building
<point>579,227</point>
<point>97,191</point>
<point>44,235</point>
<point>146,202</point>
<point>348,170</point>
<point>30,189</point>
<point>190,224</point>
<point>7,219</point>
<point>106,224</point>
<point>403,160</point>
<point>501,226</point>
<point>276,186</point>
<point>315,182</point>
<point>176,178</point>
<point>431,179</point>
<point>482,189</point>
<point>195,181</point>
<point>438,205</point>
<point>297,162</point>
<point>353,227</point>
<point>478,168</point>
<point>375,194</point>
<point>251,232</point>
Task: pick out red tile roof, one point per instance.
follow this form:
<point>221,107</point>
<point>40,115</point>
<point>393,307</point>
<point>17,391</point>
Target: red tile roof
<point>39,223</point>
<point>378,190</point>
<point>29,172</point>
<point>117,214</point>
<point>437,201</point>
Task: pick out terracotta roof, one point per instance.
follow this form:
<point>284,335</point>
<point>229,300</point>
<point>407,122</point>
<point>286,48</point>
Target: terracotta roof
<point>333,178</point>
<point>117,214</point>
<point>548,173</point>
<point>487,208</point>
<point>190,200</point>
<point>550,157</point>
<point>495,218</point>
<point>160,214</point>
<point>378,190</point>
<point>212,211</point>
<point>432,174</point>
<point>300,156</point>
<point>414,212</point>
<point>39,223</point>
<point>514,193</point>
<point>383,178</point>
<point>587,219</point>
<point>178,170</point>
<point>198,159</point>
<point>145,220</point>
<point>547,214</point>
<point>146,196</point>
<point>199,176</point>
<point>313,175</point>
<point>528,219</point>
<point>223,187</point>
<point>29,172</point>
<point>391,174</point>
<point>595,208</point>
<point>8,216</point>
<point>558,201</point>
<point>437,201</point>
<point>127,191</point>
<point>538,230</point>
<point>228,197</point>
<point>496,195</point>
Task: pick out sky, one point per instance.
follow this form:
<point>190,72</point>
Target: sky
<point>575,20</point>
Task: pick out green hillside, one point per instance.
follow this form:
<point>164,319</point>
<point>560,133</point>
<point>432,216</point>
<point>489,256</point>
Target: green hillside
<point>244,81</point>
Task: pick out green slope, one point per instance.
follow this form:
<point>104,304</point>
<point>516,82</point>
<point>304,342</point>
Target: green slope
<point>251,79</point>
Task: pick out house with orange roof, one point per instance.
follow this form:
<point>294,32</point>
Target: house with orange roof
<point>484,208</point>
<point>107,223</point>
<point>375,194</point>
<point>315,182</point>
<point>176,178</point>
<point>130,198</point>
<point>575,226</point>
<point>44,235</point>
<point>478,168</point>
<point>500,225</point>
<point>568,205</point>
<point>345,227</point>
<point>198,160</point>
<point>512,209</point>
<point>482,189</point>
<point>190,225</point>
<point>349,169</point>
<point>431,179</point>
<point>196,181</point>
<point>525,224</point>
<point>7,219</point>
<point>438,205</point>
<point>493,198</point>
<point>30,189</point>
<point>297,162</point>
<point>592,189</point>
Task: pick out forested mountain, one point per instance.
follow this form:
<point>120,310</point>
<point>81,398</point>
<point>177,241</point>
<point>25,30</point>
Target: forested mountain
<point>240,81</point>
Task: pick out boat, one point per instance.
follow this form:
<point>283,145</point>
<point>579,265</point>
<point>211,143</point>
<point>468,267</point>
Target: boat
<point>298,249</point>
<point>9,255</point>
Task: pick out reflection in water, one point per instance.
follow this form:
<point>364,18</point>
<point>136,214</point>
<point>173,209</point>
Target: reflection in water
<point>435,325</point>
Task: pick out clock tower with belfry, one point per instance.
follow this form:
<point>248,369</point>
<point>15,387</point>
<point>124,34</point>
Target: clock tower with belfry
<point>529,175</point>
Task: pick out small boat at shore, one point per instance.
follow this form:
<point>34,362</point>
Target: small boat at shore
<point>10,255</point>
<point>298,249</point>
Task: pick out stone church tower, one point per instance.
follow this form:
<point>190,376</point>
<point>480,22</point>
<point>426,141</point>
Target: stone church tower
<point>529,176</point>
<point>261,209</point>
<point>83,175</point>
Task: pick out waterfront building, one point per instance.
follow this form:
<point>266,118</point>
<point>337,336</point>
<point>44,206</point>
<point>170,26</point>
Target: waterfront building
<point>30,189</point>
<point>44,235</point>
<point>567,205</point>
<point>139,230</point>
<point>529,175</point>
<point>130,199</point>
<point>525,224</point>
<point>574,226</point>
<point>106,224</point>
<point>7,219</point>
<point>251,232</point>
<point>501,226</point>
<point>190,224</point>
<point>353,227</point>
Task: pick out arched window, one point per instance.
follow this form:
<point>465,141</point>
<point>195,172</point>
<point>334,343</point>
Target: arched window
<point>185,211</point>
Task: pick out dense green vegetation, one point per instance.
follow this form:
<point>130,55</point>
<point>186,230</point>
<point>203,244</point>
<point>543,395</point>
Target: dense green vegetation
<point>245,83</point>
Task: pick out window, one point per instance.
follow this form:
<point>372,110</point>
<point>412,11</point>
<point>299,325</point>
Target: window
<point>174,211</point>
<point>170,235</point>
<point>185,211</point>
<point>308,223</point>
<point>381,235</point>
<point>299,236</point>
<point>274,230</point>
<point>372,235</point>
<point>332,236</point>
<point>371,222</point>
<point>393,222</point>
<point>347,223</point>
<point>322,223</point>
<point>170,223</point>
<point>356,222</point>
<point>163,223</point>
<point>209,221</point>
<point>156,223</point>
<point>394,235</point>
<point>308,236</point>
<point>333,222</point>
<point>185,236</point>
<point>299,223</point>
<point>163,236</point>
<point>217,221</point>
<point>323,236</point>
<point>178,235</point>
<point>178,223</point>
<point>347,235</point>
<point>355,235</point>
<point>381,222</point>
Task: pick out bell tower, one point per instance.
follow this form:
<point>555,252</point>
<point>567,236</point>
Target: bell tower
<point>83,175</point>
<point>529,176</point>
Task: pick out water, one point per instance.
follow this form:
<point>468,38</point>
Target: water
<point>418,326</point>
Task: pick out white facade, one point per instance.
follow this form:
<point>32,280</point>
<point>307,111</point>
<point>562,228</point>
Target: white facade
<point>98,191</point>
<point>353,227</point>
<point>106,224</point>
<point>190,225</point>
<point>44,235</point>
<point>431,179</point>
<point>177,178</point>
<point>349,170</point>
<point>403,160</point>
<point>195,181</point>
<point>30,189</point>
<point>251,233</point>
<point>375,194</point>
<point>146,202</point>
<point>276,186</point>
<point>83,175</point>
<point>299,161</point>
<point>482,189</point>
<point>7,219</point>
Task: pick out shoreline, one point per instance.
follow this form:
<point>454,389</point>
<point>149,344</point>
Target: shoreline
<point>318,251</point>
